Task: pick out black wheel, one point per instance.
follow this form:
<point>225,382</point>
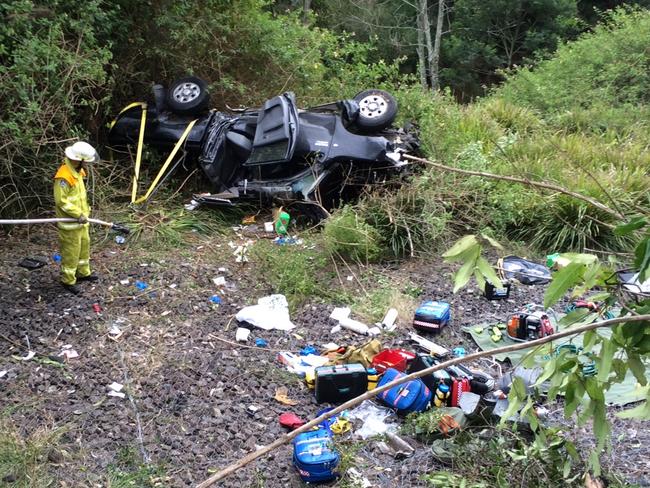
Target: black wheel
<point>377,109</point>
<point>188,95</point>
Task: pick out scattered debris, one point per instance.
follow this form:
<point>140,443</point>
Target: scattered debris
<point>524,271</point>
<point>241,334</point>
<point>259,342</point>
<point>115,390</point>
<point>271,312</point>
<point>141,285</point>
<point>30,355</point>
<point>219,281</point>
<point>216,299</point>
<point>281,396</point>
<point>388,322</point>
<point>290,420</point>
<point>358,479</point>
<point>374,419</point>
<point>32,263</point>
<point>67,352</point>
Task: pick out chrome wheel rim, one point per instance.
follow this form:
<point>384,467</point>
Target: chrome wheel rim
<point>186,92</point>
<point>373,106</point>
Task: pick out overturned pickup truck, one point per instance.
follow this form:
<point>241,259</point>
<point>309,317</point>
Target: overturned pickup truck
<point>319,156</point>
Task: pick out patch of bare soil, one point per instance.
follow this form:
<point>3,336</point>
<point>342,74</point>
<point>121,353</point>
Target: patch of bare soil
<point>193,403</point>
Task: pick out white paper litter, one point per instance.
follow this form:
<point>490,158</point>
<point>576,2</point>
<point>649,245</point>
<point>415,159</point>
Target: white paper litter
<point>271,312</point>
<point>301,365</point>
<point>219,281</point>
<point>116,394</point>
<point>68,353</point>
<point>314,360</point>
<point>3,373</point>
<point>340,313</point>
<point>241,335</point>
<point>29,356</point>
<point>114,386</point>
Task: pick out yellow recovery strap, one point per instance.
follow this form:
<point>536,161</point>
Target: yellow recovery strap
<point>138,157</point>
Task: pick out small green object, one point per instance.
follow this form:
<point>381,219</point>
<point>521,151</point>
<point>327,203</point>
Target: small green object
<point>551,258</point>
<point>478,330</point>
<point>282,224</point>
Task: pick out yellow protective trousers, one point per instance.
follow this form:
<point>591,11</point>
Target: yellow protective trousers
<point>75,254</point>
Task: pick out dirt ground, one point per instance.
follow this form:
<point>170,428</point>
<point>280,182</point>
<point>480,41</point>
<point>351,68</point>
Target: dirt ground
<point>187,410</point>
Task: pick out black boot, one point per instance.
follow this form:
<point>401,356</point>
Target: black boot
<point>91,277</point>
<point>74,289</point>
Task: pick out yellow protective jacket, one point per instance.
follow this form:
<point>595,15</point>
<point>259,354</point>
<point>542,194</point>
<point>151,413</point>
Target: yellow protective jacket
<point>70,195</point>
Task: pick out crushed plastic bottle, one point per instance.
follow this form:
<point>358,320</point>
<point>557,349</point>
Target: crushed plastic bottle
<point>141,285</point>
<point>120,239</point>
<point>215,299</point>
<point>259,342</point>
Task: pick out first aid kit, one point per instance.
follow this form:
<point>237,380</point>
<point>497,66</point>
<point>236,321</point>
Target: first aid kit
<point>412,396</point>
<point>315,457</point>
<point>432,316</point>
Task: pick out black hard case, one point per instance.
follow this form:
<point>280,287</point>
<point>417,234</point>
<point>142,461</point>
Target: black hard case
<point>338,384</point>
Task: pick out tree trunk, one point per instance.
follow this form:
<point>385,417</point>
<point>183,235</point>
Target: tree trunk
<point>434,65</point>
<point>422,59</point>
<point>426,26</point>
<point>306,8</point>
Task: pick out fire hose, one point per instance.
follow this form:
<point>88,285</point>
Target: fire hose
<point>119,228</point>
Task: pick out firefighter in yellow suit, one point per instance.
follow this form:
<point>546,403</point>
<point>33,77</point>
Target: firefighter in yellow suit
<point>70,201</point>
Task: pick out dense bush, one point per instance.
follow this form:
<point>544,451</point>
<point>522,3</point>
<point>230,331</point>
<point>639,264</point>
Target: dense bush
<point>605,73</point>
<point>52,77</point>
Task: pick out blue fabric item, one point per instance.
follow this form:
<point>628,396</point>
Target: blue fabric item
<point>306,351</point>
<point>412,396</point>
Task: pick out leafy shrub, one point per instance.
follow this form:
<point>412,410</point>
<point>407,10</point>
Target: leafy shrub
<point>606,71</point>
<point>349,235</point>
<point>53,63</point>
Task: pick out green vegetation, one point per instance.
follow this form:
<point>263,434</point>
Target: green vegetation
<point>522,131</point>
<point>24,459</point>
<point>129,471</point>
<point>295,271</point>
<point>503,458</point>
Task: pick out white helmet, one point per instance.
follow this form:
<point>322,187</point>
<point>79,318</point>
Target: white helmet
<point>81,151</point>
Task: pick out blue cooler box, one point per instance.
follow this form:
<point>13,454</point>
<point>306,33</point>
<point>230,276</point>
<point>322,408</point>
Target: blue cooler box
<point>432,316</point>
<point>314,456</point>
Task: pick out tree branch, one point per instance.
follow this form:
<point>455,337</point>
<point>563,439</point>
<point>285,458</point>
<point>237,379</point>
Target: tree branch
<point>523,181</point>
<point>369,394</point>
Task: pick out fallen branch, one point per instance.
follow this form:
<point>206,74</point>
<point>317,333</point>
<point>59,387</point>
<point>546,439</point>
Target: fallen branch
<point>371,393</point>
<point>523,181</point>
